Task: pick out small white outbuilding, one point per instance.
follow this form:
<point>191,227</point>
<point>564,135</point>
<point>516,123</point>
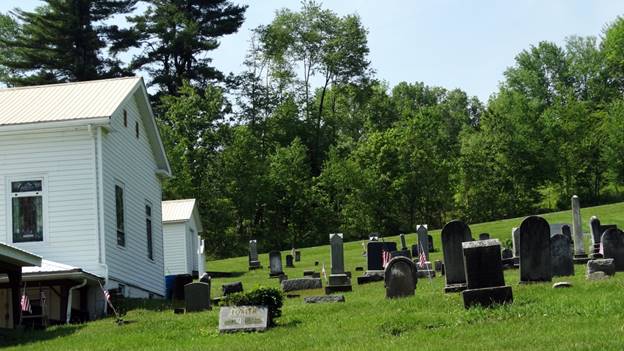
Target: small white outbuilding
<point>183,245</point>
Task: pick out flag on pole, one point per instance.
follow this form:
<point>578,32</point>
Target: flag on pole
<point>422,259</point>
<point>25,303</point>
<point>385,258</point>
<point>106,294</point>
<point>324,272</point>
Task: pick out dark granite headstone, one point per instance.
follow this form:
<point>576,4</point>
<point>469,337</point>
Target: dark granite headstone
<point>597,229</point>
<point>301,284</point>
<point>289,261</point>
<point>374,260</point>
<point>562,260</point>
<point>231,288</point>
<point>254,263</point>
<point>430,239</point>
<point>179,282</point>
<point>403,241</point>
<point>567,231</point>
<point>338,279</point>
<point>484,274</point>
<point>613,247</point>
<point>297,256</point>
<point>484,236</point>
<point>400,253</point>
<point>205,278</point>
<point>308,273</point>
<point>506,254</point>
<point>197,297</point>
<point>415,250</point>
<point>535,263</point>
<point>423,239</point>
<point>454,234</point>
<point>275,264</point>
<point>400,277</point>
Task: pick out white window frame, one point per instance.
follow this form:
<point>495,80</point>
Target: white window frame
<point>44,207</point>
<point>120,184</point>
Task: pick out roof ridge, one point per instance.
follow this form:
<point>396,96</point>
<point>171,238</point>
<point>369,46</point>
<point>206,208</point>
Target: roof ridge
<point>53,85</point>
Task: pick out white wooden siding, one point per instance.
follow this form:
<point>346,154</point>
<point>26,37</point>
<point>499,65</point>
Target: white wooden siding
<point>130,161</point>
<point>175,248</point>
<point>65,160</point>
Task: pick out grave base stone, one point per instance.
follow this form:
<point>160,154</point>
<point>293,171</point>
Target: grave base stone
<point>451,288</point>
<point>337,283</point>
<point>197,297</point>
<point>370,278</point>
<point>308,272</point>
<point>324,299</point>
<point>253,265</point>
<point>426,273</point>
<point>301,284</point>
<point>487,297</point>
<point>597,276</point>
<point>231,288</point>
<point>605,265</point>
<point>580,259</point>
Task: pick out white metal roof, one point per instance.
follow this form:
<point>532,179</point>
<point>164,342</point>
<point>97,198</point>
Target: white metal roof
<point>48,266</point>
<point>64,102</point>
<point>177,210</point>
<point>13,255</point>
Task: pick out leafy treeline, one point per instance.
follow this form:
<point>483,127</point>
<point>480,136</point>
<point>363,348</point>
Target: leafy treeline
<point>307,140</point>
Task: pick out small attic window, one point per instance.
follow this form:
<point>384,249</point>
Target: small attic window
<point>136,129</point>
<point>125,117</point>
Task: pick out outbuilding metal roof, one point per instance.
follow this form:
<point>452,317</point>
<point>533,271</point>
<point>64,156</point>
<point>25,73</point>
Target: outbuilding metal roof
<point>177,210</point>
<point>64,102</point>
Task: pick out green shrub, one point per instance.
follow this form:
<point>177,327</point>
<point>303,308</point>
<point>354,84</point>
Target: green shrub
<point>270,297</point>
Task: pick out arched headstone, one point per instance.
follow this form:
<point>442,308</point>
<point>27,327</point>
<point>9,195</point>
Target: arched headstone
<point>275,264</point>
<point>535,250</point>
<point>561,257</point>
<point>400,277</point>
<point>454,234</point>
<point>613,247</point>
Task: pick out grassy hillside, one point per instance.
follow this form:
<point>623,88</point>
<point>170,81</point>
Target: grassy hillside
<point>586,316</point>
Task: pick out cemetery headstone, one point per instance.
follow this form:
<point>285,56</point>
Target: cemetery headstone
<point>338,279</point>
<point>605,265</point>
<point>231,288</point>
<point>400,277</point>
<point>301,284</point>
<point>423,239</point>
<point>243,318</point>
<point>557,228</point>
<point>454,234</point>
<point>577,232</point>
<point>515,241</point>
<point>484,236</point>
<point>205,278</point>
<point>308,272</point>
<point>374,250</point>
<point>324,299</point>
<point>197,297</point>
<point>403,242</point>
<point>430,239</point>
<point>414,250</point>
<point>597,229</point>
<point>254,263</point>
<point>506,254</point>
<point>484,274</point>
<point>289,261</point>
<point>561,259</point>
<point>535,264</point>
<point>565,230</point>
<point>275,264</point>
<point>297,256</point>
<point>400,253</point>
<point>613,247</point>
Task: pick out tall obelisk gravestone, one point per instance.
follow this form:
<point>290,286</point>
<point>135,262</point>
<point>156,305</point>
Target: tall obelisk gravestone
<point>338,279</point>
<point>577,232</point>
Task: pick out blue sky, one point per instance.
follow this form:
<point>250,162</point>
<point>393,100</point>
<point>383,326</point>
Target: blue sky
<point>450,43</point>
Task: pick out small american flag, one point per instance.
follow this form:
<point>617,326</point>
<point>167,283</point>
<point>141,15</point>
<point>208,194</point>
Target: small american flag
<point>422,259</point>
<point>106,294</point>
<point>25,303</point>
<point>385,258</point>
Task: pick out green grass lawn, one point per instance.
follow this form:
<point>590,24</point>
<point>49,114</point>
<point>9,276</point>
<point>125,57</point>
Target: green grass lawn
<point>588,316</point>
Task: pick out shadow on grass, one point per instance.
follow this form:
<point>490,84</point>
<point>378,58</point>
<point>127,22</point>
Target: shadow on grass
<point>126,305</point>
<point>24,337</point>
<point>290,324</point>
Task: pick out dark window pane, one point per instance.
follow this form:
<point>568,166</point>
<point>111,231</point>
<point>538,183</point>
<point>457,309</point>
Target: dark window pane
<point>148,211</point>
<point>148,226</point>
<point>27,219</point>
<point>119,208</point>
<point>26,186</point>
